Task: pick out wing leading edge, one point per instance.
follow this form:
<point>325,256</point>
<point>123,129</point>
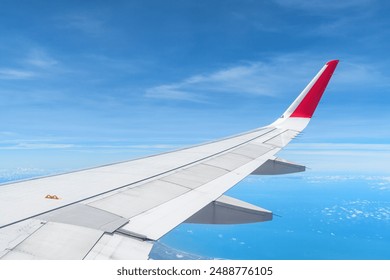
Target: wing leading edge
<point>117,211</point>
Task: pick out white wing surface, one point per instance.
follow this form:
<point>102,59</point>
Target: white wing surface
<point>117,211</point>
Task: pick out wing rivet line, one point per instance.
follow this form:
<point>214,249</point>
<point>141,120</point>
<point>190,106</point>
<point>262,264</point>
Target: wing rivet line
<point>52,197</point>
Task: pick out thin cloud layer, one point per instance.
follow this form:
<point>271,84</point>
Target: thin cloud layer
<point>245,79</point>
<point>16,74</point>
<point>41,59</point>
<point>273,77</point>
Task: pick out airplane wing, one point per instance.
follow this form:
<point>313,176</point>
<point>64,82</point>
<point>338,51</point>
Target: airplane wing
<point>117,211</point>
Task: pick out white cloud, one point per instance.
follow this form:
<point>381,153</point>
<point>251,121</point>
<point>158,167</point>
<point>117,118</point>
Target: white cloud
<point>16,74</point>
<point>41,59</point>
<point>33,66</point>
<point>34,146</point>
<point>381,183</point>
<point>272,77</point>
<point>237,79</point>
<point>357,210</point>
<point>265,78</point>
<point>357,74</point>
<point>172,92</point>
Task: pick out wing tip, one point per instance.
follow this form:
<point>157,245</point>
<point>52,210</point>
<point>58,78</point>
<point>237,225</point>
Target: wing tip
<point>312,94</point>
<point>334,61</point>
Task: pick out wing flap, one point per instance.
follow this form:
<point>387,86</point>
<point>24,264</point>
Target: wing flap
<point>157,221</point>
<point>13,235</point>
<point>56,241</point>
<point>229,161</point>
<point>252,150</point>
<point>86,216</point>
<point>119,247</point>
<point>194,185</point>
<point>134,201</point>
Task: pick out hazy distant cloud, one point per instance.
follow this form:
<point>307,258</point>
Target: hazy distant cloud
<point>36,146</point>
<point>341,157</point>
<point>380,182</point>
<point>7,133</point>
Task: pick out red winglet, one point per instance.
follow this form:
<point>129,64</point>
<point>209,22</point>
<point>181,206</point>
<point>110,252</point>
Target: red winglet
<point>309,103</point>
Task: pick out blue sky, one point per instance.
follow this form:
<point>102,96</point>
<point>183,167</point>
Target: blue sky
<point>90,82</point>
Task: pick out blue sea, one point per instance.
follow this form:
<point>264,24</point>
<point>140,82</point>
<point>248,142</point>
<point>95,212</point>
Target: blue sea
<point>317,217</point>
